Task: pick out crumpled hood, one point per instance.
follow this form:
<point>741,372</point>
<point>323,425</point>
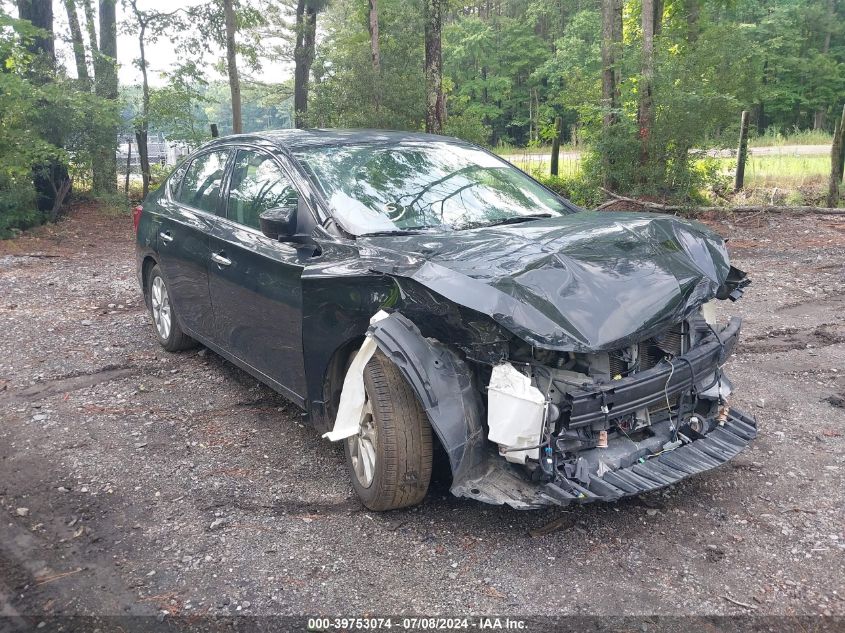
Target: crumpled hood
<point>583,282</point>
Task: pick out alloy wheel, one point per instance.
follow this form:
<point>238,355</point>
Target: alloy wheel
<point>362,447</point>
<point>160,301</point>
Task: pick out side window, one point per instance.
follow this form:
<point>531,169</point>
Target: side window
<point>257,184</point>
<point>176,178</point>
<point>201,184</point>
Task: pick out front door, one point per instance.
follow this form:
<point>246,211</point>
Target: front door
<point>254,281</point>
<point>182,239</point>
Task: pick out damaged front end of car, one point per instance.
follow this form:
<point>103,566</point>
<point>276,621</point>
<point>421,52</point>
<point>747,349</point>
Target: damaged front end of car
<point>539,396</point>
<point>608,425</point>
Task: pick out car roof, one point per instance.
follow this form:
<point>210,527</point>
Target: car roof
<point>296,139</point>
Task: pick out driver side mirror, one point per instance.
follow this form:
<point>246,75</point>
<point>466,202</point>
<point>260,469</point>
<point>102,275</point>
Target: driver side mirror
<point>279,223</point>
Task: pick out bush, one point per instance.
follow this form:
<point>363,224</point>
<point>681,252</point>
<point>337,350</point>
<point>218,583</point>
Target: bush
<point>673,170</point>
<point>577,189</point>
<point>467,127</point>
<point>17,207</point>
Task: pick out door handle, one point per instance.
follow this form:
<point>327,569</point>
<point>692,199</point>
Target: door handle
<point>166,236</point>
<point>220,260</point>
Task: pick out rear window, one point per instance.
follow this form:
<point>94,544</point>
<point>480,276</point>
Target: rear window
<point>176,178</point>
<point>203,179</point>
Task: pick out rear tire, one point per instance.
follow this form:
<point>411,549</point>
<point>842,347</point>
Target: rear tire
<point>394,438</point>
<point>165,323</point>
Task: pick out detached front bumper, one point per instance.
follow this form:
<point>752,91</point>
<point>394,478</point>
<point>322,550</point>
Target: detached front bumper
<point>670,451</point>
<point>661,469</point>
<point>502,483</point>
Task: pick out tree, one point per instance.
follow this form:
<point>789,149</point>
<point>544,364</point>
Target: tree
<point>610,49</point>
<point>232,65</point>
<point>435,110</point>
<point>303,55</point>
<point>45,129</point>
<point>821,113</point>
<point>179,108</point>
<point>374,50</point>
<point>40,14</point>
<point>344,84</point>
<point>645,117</point>
<point>150,25</point>
<point>105,78</point>
<point>91,30</point>
<point>78,44</point>
<point>49,176</point>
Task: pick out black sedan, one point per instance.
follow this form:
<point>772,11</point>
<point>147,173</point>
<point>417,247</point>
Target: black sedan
<point>415,293</point>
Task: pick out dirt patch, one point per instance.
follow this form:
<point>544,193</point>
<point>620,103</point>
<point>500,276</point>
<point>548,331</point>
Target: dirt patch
<point>175,484</point>
<point>66,384</point>
<point>792,338</point>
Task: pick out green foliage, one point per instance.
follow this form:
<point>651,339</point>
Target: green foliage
<point>46,120</point>
<point>468,127</point>
<point>475,51</point>
<point>512,67</point>
<point>347,92</point>
<point>177,108</point>
<point>578,189</point>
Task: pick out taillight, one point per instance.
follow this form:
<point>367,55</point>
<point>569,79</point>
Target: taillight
<point>136,216</point>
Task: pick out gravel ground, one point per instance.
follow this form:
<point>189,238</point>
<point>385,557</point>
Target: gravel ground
<point>133,481</point>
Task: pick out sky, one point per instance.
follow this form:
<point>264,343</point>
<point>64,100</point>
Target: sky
<point>160,56</point>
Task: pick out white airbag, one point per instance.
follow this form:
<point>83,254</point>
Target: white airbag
<point>353,396</point>
<point>515,413</point>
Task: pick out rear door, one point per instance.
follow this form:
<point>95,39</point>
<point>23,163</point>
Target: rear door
<point>254,281</point>
<point>183,242</point>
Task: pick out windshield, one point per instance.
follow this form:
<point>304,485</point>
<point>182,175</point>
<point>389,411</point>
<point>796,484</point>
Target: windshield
<point>379,188</point>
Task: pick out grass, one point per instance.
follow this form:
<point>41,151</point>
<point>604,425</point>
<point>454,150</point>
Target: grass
<point>568,167</point>
<point>773,138</point>
<point>778,170</point>
<point>781,170</point>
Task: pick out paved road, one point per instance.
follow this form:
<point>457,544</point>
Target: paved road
<point>136,481</point>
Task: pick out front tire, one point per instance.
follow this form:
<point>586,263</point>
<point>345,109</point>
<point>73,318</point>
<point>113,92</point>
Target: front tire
<point>389,460</point>
<point>165,324</point>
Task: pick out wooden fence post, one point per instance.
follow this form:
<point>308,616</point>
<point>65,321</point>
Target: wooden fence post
<point>128,166</point>
<point>836,162</point>
<point>842,145</point>
<point>742,153</point>
<point>214,131</point>
<point>556,146</point>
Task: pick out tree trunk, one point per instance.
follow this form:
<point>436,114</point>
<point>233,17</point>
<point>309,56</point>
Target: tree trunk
<point>303,55</point>
<point>105,72</point>
<point>555,162</point>
<point>820,116</point>
<point>40,13</point>
<point>693,20</point>
<point>742,152</point>
<point>611,48</point>
<point>232,65</point>
<point>435,110</point>
<point>658,16</point>
<point>646,108</point>
<point>836,157</point>
<point>91,29</point>
<point>611,35</point>
<point>374,38</point>
<point>78,44</point>
<point>375,53</point>
<point>142,133</point>
<point>142,140</point>
<point>49,177</point>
